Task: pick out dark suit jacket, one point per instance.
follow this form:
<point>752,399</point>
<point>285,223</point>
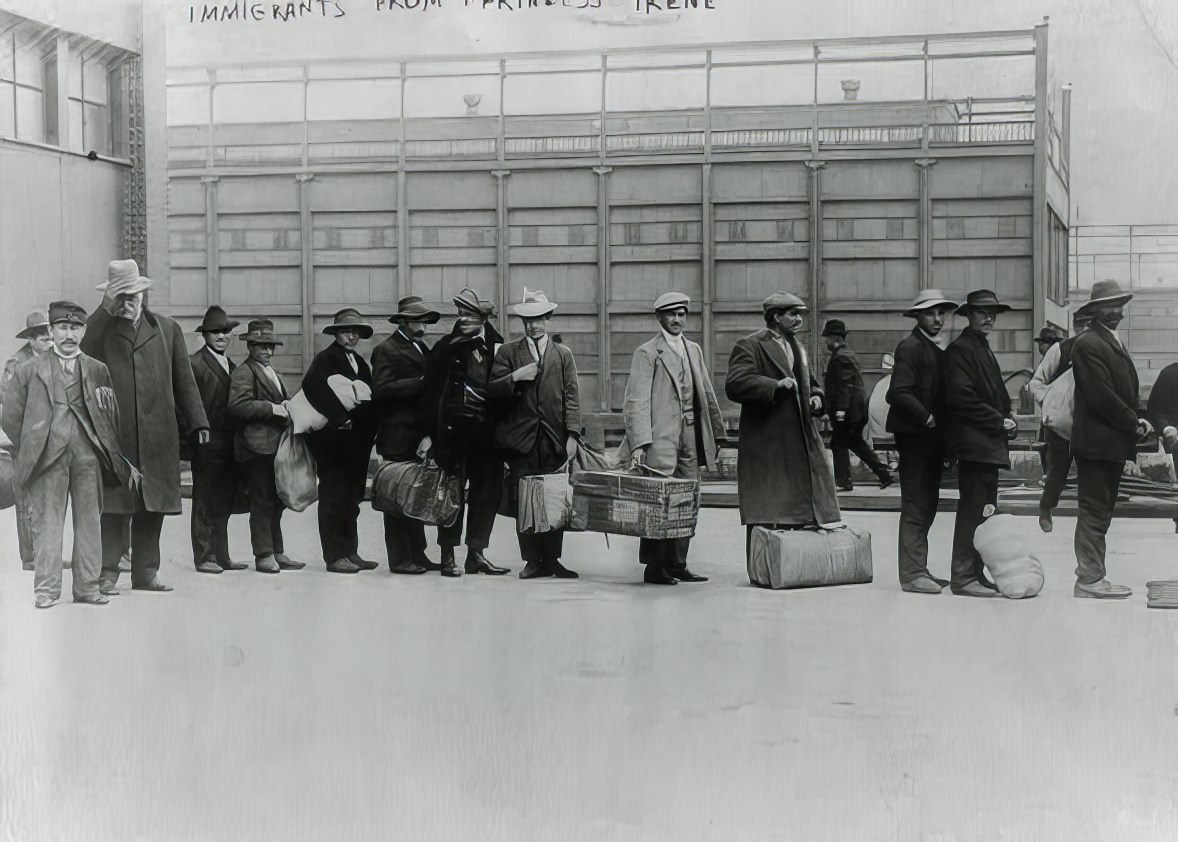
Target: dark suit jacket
<point>549,405</point>
<point>399,388</point>
<point>1162,408</point>
<point>28,412</point>
<point>213,383</point>
<point>455,363</point>
<point>333,360</point>
<point>976,401</point>
<point>916,390</point>
<point>251,399</point>
<point>1104,423</point>
<point>844,385</point>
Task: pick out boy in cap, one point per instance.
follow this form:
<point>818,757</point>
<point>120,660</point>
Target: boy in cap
<point>60,412</point>
<point>673,424</point>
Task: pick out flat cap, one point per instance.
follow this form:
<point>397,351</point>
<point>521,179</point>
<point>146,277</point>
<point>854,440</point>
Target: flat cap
<point>671,300</point>
<point>782,301</point>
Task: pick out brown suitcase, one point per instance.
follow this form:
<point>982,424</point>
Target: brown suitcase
<point>809,558</point>
<point>644,504</point>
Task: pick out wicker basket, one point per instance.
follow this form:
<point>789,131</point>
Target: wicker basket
<point>645,504</point>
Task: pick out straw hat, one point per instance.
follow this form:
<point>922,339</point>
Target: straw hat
<point>123,278</point>
<point>534,305</point>
<point>926,299</point>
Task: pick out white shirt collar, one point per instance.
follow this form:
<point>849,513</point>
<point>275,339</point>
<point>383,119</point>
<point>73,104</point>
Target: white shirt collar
<point>221,359</point>
<point>676,342</point>
<point>537,349</point>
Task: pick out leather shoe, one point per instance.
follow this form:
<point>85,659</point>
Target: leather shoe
<point>362,563</point>
<point>232,565</point>
<point>286,563</point>
<point>267,564</point>
<point>944,583</point>
<point>536,570</point>
<point>46,601</point>
<point>154,586</point>
<point>408,568</point>
<point>845,486</point>
<point>208,567</point>
<point>685,575</point>
<point>975,588</point>
<point>422,560</point>
<point>1104,589</point>
<point>921,584</point>
<point>108,588</point>
<point>1045,522</point>
<point>93,599</point>
<point>658,576</point>
<point>476,562</point>
<point>450,571</point>
<point>562,572</point>
<point>886,480</point>
<point>986,583</point>
<point>342,565</point>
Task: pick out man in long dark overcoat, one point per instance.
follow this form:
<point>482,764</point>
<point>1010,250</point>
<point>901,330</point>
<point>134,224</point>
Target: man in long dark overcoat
<point>215,479</point>
<point>343,448</point>
<point>1105,430</point>
<point>916,418</point>
<point>783,478</point>
<point>979,423</point>
<point>534,382</point>
<point>848,409</point>
<point>37,342</point>
<point>153,382</point>
<point>406,419</point>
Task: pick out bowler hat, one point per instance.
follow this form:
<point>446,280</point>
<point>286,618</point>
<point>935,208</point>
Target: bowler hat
<point>1105,292</point>
<point>260,332</point>
<point>979,299</point>
<point>671,301</point>
<point>349,318</point>
<point>926,299</point>
<point>34,323</point>
<point>123,278</point>
<point>215,321</point>
<point>534,305</point>
<point>411,307</point>
<point>834,327</point>
<point>68,312</point>
<point>782,301</point>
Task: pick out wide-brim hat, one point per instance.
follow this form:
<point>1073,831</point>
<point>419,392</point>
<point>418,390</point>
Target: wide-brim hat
<point>927,299</point>
<point>1104,292</point>
<point>980,299</point>
<point>834,327</point>
<point>35,322</point>
<point>783,301</point>
<point>534,305</point>
<point>671,301</point>
<point>411,307</point>
<point>349,318</point>
<point>260,332</point>
<point>123,278</point>
<point>216,320</point>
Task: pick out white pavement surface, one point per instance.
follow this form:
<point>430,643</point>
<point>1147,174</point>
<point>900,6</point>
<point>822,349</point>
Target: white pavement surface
<point>323,707</point>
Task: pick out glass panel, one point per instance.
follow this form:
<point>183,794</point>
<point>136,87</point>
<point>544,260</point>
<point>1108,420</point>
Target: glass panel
<point>6,57</point>
<point>261,103</point>
<point>790,84</point>
<point>6,105</point>
<point>571,93</point>
<point>655,90</point>
<point>74,68</point>
<point>75,114</point>
<point>188,106</point>
<point>94,76</point>
<point>96,128</point>
<point>990,77</point>
<point>30,119</point>
<point>30,70</point>
<point>447,97</point>
<point>354,99</point>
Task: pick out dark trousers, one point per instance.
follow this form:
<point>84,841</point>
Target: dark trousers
<point>671,554</point>
<point>342,464</point>
<point>977,484</point>
<point>214,481</point>
<point>1099,482</point>
<point>144,545</point>
<point>846,436</point>
<point>481,476</point>
<point>546,458</point>
<point>1058,454</point>
<point>265,507</point>
<point>922,460</point>
<point>404,538</point>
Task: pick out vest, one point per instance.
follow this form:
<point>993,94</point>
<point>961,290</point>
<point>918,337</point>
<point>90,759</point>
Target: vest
<point>70,425</point>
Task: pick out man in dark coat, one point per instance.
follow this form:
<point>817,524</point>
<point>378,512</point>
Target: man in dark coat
<point>916,418</point>
<point>534,383</point>
<point>1162,412</point>
<point>783,477</point>
<point>153,382</point>
<point>406,419</point>
<point>847,405</point>
<point>464,436</point>
<point>1105,431</point>
<point>37,342</point>
<point>215,480</point>
<point>977,409</point>
<point>343,448</point>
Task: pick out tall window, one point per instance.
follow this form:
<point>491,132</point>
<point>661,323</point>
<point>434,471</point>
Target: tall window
<point>22,90</point>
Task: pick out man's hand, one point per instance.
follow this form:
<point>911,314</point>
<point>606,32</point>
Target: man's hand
<point>1144,428</point>
<point>280,410</point>
<point>347,425</point>
<point>638,457</point>
<point>424,447</point>
<point>105,396</point>
<point>930,422</point>
<point>134,479</point>
<point>787,383</point>
<point>570,447</point>
<point>840,415</point>
<point>527,372</point>
<point>816,403</point>
<point>202,436</point>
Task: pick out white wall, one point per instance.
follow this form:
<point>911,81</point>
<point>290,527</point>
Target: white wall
<point>113,21</point>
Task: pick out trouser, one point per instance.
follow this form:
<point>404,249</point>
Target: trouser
<point>143,540</point>
<point>1099,482</point>
<point>265,507</point>
<point>214,481</point>
<point>922,460</point>
<point>1058,455</point>
<point>24,528</point>
<point>671,554</point>
<point>74,477</point>
<point>547,457</point>
<point>404,538</point>
<point>849,436</point>
<point>342,464</point>
<point>480,484</point>
<point>977,484</point>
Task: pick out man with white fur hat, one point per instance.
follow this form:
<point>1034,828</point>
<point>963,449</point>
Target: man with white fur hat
<point>153,382</point>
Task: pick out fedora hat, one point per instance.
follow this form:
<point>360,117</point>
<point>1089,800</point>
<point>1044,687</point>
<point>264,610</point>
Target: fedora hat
<point>215,320</point>
<point>349,318</point>
<point>834,327</point>
<point>123,278</point>
<point>926,299</point>
<point>34,323</point>
<point>782,301</point>
<point>411,307</point>
<point>981,299</point>
<point>1047,334</point>
<point>1105,292</point>
<point>534,305</point>
<point>260,332</point>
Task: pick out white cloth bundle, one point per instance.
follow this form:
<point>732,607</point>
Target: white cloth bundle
<point>1003,548</point>
<point>306,418</point>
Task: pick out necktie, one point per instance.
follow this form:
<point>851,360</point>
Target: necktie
<point>352,363</point>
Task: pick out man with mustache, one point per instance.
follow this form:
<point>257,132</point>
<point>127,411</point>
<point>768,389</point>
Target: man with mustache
<point>37,342</point>
<point>60,412</point>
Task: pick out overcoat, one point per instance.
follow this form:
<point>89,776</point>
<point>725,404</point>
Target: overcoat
<point>549,405</point>
<point>28,412</point>
<point>251,400</point>
<point>782,472</point>
<point>212,382</point>
<point>1104,423</point>
<point>844,385</point>
<point>459,365</point>
<point>22,356</point>
<point>399,388</point>
<point>1162,408</point>
<point>976,401</point>
<point>653,410</point>
<point>153,383</point>
<point>916,389</point>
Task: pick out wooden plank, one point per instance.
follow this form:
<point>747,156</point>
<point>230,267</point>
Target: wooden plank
<point>853,179</point>
<point>452,191</point>
<point>565,236</point>
<point>981,207</point>
<point>760,181</point>
<point>354,257</point>
<point>253,259</point>
<point>552,189</point>
<point>762,251</point>
<point>981,248</point>
<point>374,192</point>
<point>554,255</point>
<point>852,250</point>
<point>554,216</point>
<point>677,252</point>
<point>670,184</point>
<point>453,257</point>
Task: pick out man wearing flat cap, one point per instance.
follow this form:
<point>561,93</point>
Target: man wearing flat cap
<point>979,425</point>
<point>406,419</point>
<point>215,480</point>
<point>37,342</point>
<point>783,477</point>
<point>464,434</point>
<point>1105,430</point>
<point>157,394</point>
<point>343,448</point>
<point>61,413</point>
<point>847,401</point>
<point>673,424</point>
<point>534,382</point>
<point>916,418</point>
